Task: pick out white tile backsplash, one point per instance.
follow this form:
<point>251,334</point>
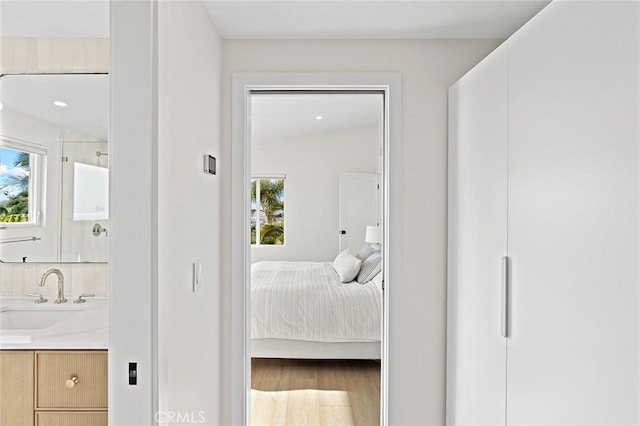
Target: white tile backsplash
<point>18,279</point>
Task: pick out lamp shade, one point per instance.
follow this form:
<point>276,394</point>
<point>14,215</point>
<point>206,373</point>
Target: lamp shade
<point>372,235</point>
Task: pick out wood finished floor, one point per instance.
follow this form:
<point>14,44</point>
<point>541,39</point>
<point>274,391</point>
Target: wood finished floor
<point>309,392</point>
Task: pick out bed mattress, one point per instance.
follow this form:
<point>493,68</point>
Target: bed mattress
<point>306,301</point>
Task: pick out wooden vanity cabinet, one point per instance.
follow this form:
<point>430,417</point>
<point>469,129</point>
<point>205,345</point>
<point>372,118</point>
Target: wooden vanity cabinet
<point>16,388</point>
<point>53,388</point>
<point>71,418</point>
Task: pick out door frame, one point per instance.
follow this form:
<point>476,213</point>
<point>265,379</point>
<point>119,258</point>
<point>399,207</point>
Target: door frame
<point>242,85</point>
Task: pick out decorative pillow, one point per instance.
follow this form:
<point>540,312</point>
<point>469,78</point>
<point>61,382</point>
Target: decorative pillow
<point>347,266</point>
<point>365,252</point>
<point>370,267</point>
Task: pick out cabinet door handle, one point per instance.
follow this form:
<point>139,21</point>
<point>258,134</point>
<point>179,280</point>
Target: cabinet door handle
<point>72,382</point>
<point>505,297</point>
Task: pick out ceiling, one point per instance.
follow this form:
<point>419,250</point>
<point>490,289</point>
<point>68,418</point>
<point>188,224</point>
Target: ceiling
<point>300,19</point>
<point>270,19</point>
<point>85,94</point>
<point>357,19</point>
<point>277,118</point>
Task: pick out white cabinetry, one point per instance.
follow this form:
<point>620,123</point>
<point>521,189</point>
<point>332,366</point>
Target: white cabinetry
<point>550,123</point>
<point>478,184</point>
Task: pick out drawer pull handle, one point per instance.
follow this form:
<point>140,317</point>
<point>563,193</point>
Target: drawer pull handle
<point>71,382</point>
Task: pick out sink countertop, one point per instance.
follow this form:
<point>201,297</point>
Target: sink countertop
<point>88,329</point>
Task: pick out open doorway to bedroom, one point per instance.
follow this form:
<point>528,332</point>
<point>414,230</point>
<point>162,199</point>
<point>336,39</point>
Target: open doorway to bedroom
<point>316,208</point>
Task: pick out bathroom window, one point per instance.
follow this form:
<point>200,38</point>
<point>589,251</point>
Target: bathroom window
<point>19,184</point>
<point>267,210</point>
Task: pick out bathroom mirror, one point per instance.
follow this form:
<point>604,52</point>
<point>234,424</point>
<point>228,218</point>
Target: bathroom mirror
<point>54,168</point>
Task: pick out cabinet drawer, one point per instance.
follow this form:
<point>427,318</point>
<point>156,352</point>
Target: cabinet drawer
<point>87,369</point>
<point>66,418</point>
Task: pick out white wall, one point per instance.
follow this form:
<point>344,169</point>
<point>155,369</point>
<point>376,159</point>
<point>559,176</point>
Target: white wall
<point>312,166</point>
<point>418,308</point>
<point>189,73</point>
<point>31,130</point>
<point>133,212</point>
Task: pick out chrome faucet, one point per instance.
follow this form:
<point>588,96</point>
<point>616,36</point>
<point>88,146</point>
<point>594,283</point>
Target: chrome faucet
<point>58,273</point>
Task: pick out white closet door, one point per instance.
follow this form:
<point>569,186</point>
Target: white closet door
<point>477,241</point>
<point>573,216</point>
<point>359,208</point>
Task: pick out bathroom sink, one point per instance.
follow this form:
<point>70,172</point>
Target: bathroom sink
<point>30,318</point>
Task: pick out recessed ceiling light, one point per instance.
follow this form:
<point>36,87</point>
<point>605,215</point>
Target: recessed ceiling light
<point>318,117</point>
<point>1,106</point>
<point>60,104</point>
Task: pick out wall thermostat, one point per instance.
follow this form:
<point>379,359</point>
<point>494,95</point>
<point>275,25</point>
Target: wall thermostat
<point>210,164</point>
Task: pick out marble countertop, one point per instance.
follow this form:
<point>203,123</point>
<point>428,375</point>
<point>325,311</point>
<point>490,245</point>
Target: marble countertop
<point>86,329</point>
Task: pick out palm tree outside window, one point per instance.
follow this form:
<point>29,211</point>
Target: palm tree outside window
<point>267,211</point>
<point>15,172</point>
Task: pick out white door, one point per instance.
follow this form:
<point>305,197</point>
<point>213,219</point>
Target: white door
<point>359,207</point>
<point>476,358</point>
<point>573,216</point>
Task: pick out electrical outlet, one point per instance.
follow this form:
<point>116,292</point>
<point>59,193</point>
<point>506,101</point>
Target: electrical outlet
<point>197,275</point>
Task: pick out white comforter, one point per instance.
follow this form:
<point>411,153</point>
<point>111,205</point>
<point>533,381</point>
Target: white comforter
<point>307,301</point>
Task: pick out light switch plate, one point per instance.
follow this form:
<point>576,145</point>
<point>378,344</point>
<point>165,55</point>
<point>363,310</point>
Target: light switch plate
<point>197,275</point>
<point>210,164</point>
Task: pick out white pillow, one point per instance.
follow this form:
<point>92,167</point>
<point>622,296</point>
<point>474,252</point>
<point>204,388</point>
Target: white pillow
<point>370,267</point>
<point>365,252</point>
<point>347,266</point>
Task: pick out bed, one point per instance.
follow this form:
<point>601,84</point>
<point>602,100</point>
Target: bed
<point>302,310</point>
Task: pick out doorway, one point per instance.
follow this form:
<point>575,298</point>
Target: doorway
<point>244,228</point>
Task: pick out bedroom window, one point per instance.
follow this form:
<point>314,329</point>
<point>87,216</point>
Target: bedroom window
<point>19,191</point>
<point>267,210</point>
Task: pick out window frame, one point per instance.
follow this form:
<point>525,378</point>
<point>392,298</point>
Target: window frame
<point>37,164</point>
<point>257,179</point>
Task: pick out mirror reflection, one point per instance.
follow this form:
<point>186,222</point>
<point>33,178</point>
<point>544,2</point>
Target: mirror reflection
<point>54,166</point>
